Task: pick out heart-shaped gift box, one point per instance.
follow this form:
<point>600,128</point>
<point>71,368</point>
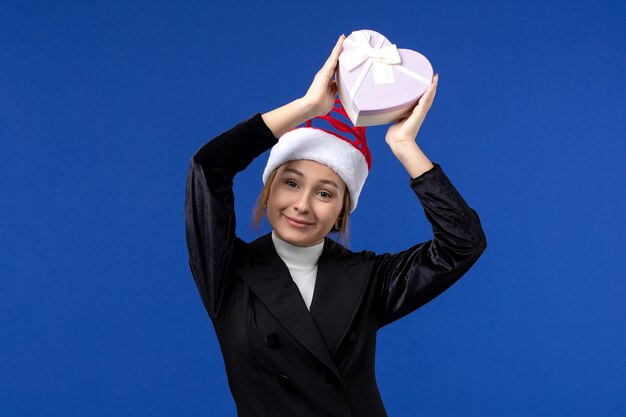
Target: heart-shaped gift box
<point>377,82</point>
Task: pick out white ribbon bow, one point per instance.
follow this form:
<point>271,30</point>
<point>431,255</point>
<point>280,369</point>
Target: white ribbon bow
<point>382,59</point>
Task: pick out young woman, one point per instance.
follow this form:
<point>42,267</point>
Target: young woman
<point>295,312</point>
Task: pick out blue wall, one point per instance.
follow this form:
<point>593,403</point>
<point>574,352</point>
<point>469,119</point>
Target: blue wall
<point>103,103</point>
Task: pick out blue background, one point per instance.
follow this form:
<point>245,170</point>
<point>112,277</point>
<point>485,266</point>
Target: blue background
<point>103,104</point>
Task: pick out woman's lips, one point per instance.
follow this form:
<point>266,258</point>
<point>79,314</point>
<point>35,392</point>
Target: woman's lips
<point>296,223</point>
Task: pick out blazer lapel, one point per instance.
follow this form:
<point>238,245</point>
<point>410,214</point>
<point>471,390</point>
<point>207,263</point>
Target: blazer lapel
<point>272,284</point>
<point>339,289</point>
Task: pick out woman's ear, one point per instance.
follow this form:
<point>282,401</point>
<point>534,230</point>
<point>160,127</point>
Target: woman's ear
<point>339,220</point>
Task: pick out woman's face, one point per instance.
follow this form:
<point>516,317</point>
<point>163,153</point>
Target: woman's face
<point>305,200</point>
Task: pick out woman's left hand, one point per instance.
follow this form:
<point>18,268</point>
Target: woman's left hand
<point>405,130</point>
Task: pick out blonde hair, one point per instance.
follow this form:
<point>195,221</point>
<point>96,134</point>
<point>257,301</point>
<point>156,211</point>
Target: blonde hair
<point>341,226</point>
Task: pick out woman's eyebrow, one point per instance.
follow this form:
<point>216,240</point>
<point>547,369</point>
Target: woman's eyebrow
<point>295,171</point>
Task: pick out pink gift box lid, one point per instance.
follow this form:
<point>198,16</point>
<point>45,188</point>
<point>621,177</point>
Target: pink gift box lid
<point>373,99</point>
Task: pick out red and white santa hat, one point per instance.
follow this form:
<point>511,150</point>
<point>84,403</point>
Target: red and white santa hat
<point>350,159</point>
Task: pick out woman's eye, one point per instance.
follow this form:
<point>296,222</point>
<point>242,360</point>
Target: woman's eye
<point>325,194</point>
<point>291,183</point>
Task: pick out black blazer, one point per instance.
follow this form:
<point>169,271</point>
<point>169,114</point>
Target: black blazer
<point>282,359</point>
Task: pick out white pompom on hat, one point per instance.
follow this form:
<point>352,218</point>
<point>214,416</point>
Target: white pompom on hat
<point>350,160</point>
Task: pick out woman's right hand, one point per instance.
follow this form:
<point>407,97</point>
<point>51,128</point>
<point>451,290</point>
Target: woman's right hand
<point>321,94</point>
<point>318,101</point>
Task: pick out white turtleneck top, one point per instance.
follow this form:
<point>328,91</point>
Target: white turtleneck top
<point>302,264</point>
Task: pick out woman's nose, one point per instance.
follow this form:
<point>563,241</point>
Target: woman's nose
<point>302,202</point>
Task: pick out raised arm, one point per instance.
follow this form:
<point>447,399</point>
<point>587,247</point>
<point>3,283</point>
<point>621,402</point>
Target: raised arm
<point>409,279</point>
<point>209,204</point>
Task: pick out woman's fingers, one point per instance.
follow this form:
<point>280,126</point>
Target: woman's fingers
<point>331,62</point>
<point>321,93</point>
<point>427,99</point>
<point>414,119</point>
